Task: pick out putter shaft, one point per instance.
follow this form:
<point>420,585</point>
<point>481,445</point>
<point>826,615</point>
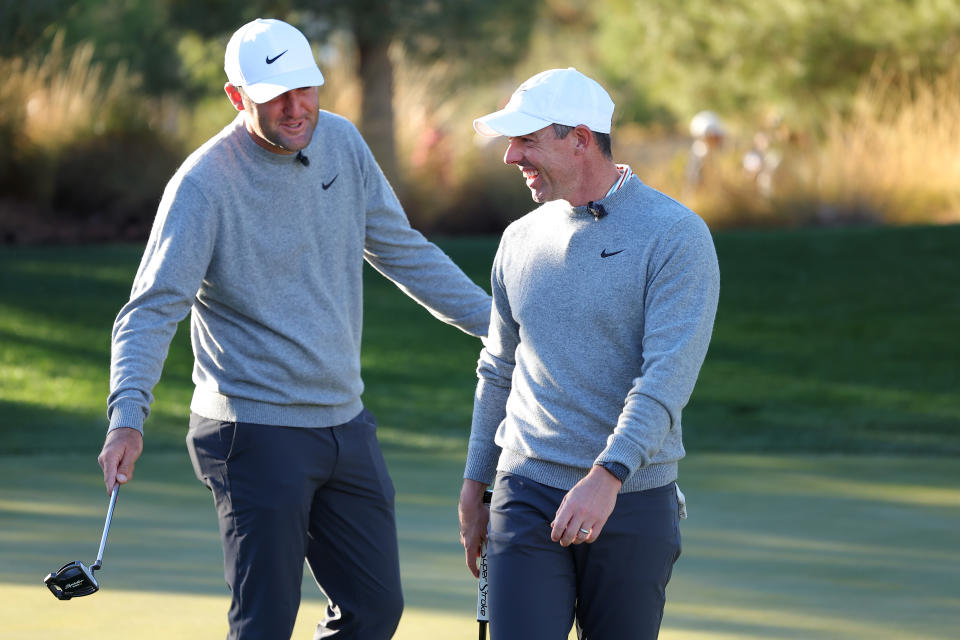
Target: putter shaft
<point>106,528</point>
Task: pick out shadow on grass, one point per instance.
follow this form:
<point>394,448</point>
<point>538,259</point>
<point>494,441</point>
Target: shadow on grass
<point>27,426</point>
<point>31,429</point>
<point>776,546</point>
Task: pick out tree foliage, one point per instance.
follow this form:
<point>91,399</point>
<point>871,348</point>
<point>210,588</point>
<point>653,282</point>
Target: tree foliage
<point>482,37</point>
<point>128,33</point>
<point>800,57</point>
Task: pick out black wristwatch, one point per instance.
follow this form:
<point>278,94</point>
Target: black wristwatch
<point>620,471</point>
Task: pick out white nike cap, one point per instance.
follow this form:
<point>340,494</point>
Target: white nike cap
<point>561,96</point>
<point>270,57</point>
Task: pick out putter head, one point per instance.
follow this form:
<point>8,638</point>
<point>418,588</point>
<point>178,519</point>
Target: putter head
<point>72,580</point>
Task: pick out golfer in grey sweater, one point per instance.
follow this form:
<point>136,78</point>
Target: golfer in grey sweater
<point>261,235</point>
<point>604,301</point>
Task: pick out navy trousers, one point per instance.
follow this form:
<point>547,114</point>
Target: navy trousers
<point>286,494</point>
<point>612,588</point>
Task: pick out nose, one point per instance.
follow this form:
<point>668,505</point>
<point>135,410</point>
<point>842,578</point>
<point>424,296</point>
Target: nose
<point>294,103</point>
<point>513,154</point>
<point>290,108</point>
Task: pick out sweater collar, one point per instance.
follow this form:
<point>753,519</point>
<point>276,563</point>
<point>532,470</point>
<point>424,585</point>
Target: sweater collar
<point>619,193</point>
<point>625,174</point>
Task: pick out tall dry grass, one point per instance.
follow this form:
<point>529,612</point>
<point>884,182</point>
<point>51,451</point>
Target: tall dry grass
<point>68,128</point>
<point>83,153</point>
<point>60,98</point>
<point>899,152</point>
<point>893,159</point>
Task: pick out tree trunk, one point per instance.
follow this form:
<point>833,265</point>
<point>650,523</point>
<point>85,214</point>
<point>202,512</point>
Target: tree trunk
<point>376,112</point>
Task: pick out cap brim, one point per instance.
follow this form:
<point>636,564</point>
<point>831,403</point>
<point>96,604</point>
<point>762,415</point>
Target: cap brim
<point>261,92</point>
<point>508,123</point>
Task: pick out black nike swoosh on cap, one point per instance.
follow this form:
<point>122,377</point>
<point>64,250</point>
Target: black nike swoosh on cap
<point>274,58</point>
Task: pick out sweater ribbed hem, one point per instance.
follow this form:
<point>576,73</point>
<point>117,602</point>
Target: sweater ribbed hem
<point>565,477</point>
<point>215,406</point>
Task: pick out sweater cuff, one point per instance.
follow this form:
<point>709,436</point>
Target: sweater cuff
<point>482,465</point>
<point>127,414</point>
<point>622,451</point>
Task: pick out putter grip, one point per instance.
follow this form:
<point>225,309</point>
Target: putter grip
<point>482,586</point>
<point>482,582</point>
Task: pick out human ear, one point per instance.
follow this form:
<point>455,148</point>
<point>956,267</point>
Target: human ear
<point>583,137</point>
<point>233,93</point>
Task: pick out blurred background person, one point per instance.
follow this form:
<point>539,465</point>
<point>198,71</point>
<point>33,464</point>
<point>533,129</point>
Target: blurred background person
<point>709,134</point>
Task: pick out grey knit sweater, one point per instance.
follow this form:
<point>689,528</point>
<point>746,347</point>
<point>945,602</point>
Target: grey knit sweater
<point>598,332</point>
<point>268,255</point>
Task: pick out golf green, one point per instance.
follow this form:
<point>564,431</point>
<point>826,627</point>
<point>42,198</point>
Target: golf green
<point>775,547</point>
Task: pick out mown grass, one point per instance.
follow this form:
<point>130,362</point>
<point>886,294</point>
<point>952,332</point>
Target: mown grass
<point>833,340</point>
<point>777,547</point>
<point>827,340</point>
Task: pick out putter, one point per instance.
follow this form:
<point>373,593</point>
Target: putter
<point>75,579</point>
<point>483,613</point>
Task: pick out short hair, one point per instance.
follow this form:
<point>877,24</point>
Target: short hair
<point>603,141</point>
